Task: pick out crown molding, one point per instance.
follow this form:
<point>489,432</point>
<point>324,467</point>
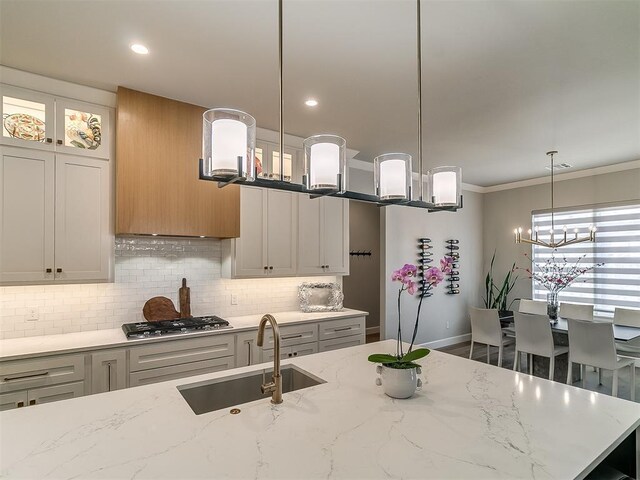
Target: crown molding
<point>589,172</point>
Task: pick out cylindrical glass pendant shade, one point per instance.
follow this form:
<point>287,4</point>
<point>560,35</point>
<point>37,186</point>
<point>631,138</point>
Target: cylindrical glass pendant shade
<point>444,186</point>
<point>324,162</point>
<point>228,143</point>
<point>392,176</point>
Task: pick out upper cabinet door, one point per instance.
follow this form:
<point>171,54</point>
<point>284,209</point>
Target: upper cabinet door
<point>281,232</point>
<point>27,118</point>
<point>82,129</point>
<point>83,242</point>
<point>335,235</point>
<point>26,215</point>
<point>310,252</point>
<point>251,247</point>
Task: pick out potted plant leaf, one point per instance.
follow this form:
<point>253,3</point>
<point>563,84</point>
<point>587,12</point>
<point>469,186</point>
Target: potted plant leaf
<point>399,372</point>
<point>496,295</point>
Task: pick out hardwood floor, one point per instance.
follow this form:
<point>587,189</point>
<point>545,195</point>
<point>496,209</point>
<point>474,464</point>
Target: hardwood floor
<point>591,377</point>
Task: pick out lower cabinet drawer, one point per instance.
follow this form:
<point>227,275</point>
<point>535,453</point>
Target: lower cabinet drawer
<point>55,393</point>
<point>177,352</point>
<point>9,401</point>
<point>343,342</point>
<point>41,372</point>
<point>162,374</point>
<point>343,327</point>
<point>293,335</point>
<point>291,352</point>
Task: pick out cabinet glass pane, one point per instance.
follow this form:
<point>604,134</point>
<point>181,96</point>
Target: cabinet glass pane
<point>275,168</point>
<point>82,129</point>
<point>23,119</point>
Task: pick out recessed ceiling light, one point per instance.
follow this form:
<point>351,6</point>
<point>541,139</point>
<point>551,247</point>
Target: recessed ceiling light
<point>139,49</point>
<point>311,102</point>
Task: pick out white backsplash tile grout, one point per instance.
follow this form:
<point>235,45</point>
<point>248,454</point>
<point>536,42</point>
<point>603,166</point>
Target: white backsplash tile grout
<point>144,268</point>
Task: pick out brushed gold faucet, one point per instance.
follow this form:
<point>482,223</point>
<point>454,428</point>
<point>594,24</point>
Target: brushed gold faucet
<point>275,386</point>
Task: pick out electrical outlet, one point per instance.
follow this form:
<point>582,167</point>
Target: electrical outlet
<point>234,299</point>
<point>33,314</point>
<point>447,323</point>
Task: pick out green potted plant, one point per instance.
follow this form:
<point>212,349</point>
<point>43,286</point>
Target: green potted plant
<point>496,295</point>
<point>399,372</point>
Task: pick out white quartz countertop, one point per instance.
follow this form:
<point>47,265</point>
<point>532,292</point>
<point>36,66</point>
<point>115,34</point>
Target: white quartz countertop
<point>470,421</point>
<point>17,348</point>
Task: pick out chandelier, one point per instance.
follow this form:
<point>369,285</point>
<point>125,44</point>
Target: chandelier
<point>229,138</point>
<point>564,240</point>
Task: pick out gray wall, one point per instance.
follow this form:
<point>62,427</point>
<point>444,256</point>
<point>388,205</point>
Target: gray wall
<point>362,286</point>
<point>508,209</point>
<point>402,226</point>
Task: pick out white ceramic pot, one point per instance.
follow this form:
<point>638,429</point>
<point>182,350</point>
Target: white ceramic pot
<point>399,382</point>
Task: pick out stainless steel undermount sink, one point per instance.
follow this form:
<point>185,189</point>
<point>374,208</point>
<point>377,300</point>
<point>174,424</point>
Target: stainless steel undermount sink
<point>225,392</point>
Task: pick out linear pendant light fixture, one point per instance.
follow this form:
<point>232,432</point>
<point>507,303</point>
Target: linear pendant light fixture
<point>564,241</point>
<point>228,148</point>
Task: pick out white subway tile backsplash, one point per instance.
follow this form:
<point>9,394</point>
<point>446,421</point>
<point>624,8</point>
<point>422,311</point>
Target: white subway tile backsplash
<point>144,268</point>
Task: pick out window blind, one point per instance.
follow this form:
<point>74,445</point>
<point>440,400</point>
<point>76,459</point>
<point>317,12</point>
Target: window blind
<point>617,245</point>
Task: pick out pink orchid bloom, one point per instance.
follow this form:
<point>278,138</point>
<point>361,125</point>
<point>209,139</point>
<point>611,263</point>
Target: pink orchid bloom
<point>433,276</point>
<point>409,270</point>
<point>445,264</point>
<point>397,276</point>
<point>411,287</point>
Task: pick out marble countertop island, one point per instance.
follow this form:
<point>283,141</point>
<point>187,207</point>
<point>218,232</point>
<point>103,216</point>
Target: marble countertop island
<point>470,421</point>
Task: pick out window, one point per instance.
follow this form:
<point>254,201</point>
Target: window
<point>617,245</point>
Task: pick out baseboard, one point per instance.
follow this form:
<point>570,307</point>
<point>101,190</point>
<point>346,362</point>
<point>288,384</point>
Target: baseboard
<point>445,342</point>
<point>373,330</point>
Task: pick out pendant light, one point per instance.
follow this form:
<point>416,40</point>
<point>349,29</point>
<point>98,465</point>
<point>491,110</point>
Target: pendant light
<point>444,186</point>
<point>228,143</point>
<point>564,240</point>
<point>324,162</point>
<point>392,176</point>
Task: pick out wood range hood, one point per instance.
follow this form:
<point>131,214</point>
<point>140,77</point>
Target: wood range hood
<point>158,144</point>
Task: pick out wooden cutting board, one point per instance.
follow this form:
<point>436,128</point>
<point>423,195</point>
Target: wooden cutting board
<point>184,294</point>
<point>159,308</point>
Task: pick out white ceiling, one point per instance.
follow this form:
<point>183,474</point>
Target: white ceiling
<point>503,81</point>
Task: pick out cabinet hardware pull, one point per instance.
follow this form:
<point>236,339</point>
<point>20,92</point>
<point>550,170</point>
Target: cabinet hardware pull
<point>292,336</point>
<point>271,267</point>
<point>295,354</point>
<point>109,377</point>
<point>49,270</point>
<point>59,142</point>
<point>32,402</point>
<point>20,404</point>
<point>342,329</point>
<point>289,354</point>
<point>249,345</point>
<point>327,266</point>
<point>266,268</point>
<point>49,140</point>
<point>58,270</point>
<point>21,377</point>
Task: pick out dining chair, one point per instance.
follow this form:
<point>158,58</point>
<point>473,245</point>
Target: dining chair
<point>535,307</point>
<point>576,311</point>
<point>593,343</point>
<point>627,318</point>
<point>534,337</point>
<point>486,329</point>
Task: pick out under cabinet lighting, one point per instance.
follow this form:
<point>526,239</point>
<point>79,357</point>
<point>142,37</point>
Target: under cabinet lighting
<point>139,49</point>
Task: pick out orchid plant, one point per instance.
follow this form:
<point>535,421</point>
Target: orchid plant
<point>407,276</point>
<point>555,275</point>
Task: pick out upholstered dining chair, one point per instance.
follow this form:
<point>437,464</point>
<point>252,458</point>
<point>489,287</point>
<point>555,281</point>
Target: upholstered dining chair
<point>534,337</point>
<point>592,343</point>
<point>535,307</point>
<point>486,329</point>
<point>627,318</point>
<point>576,311</point>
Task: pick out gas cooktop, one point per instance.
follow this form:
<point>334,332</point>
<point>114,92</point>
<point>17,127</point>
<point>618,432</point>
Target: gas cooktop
<point>167,327</point>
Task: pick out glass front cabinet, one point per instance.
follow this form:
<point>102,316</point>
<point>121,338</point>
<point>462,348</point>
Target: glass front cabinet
<point>36,120</point>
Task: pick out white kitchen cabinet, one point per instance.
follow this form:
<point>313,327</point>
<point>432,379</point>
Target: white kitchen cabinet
<point>28,374</point>
<point>247,350</point>
<point>54,217</point>
<point>342,342</point>
<point>267,242</point>
<point>26,215</point>
<point>291,352</point>
<point>323,236</point>
<point>9,401</point>
<point>55,393</point>
<point>108,370</point>
<point>45,122</point>
<point>83,244</point>
<point>155,375</point>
